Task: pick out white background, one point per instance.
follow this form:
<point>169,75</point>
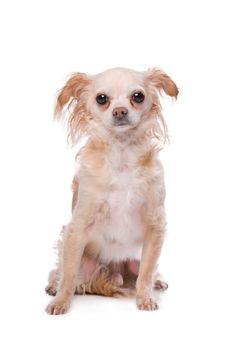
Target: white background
<point>41,43</point>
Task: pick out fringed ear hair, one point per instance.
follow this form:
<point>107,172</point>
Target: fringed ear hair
<point>159,81</point>
<point>71,105</point>
<point>162,81</point>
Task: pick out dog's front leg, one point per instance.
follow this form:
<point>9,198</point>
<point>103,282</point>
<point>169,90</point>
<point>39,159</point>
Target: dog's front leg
<point>74,242</point>
<point>86,217</point>
<point>152,245</point>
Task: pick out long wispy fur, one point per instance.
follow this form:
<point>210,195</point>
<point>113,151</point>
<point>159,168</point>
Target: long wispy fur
<point>71,106</point>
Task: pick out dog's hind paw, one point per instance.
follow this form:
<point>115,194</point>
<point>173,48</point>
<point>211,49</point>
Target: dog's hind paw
<point>160,285</point>
<point>51,290</point>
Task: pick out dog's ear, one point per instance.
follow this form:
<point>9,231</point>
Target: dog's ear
<point>71,105</point>
<point>72,90</point>
<point>162,81</point>
<point>158,81</point>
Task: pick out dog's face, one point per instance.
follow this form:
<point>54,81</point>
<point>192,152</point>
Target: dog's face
<point>117,100</point>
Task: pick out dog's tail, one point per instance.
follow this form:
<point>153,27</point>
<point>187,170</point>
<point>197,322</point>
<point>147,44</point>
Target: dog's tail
<point>101,284</point>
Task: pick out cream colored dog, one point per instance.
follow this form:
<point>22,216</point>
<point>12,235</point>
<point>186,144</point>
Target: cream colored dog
<point>116,232</point>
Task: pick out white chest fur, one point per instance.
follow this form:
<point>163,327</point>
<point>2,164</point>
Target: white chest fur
<point>122,235</point>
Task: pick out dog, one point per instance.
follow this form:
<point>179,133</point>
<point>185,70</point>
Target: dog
<point>112,244</point>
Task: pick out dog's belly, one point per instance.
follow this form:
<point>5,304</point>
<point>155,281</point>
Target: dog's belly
<point>116,252</point>
<point>121,236</point>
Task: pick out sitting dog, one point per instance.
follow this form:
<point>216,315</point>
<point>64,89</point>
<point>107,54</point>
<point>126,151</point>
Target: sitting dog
<point>114,239</point>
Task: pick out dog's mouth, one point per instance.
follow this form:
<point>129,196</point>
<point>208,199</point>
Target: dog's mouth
<point>121,122</point>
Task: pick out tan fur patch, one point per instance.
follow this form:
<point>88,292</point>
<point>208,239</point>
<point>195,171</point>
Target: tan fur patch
<point>93,155</point>
<point>75,187</point>
<point>147,159</point>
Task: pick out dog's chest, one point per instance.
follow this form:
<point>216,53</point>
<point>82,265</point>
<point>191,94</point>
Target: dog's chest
<point>123,230</point>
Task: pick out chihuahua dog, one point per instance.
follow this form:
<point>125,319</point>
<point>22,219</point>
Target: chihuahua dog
<point>113,241</point>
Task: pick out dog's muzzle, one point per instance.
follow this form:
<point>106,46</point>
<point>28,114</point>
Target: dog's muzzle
<point>120,116</point>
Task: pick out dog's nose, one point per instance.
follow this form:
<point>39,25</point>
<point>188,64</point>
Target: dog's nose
<point>120,112</point>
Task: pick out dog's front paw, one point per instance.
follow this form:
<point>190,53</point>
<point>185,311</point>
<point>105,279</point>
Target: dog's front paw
<point>146,304</point>
<point>58,307</point>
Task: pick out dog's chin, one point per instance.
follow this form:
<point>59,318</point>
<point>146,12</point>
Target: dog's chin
<point>122,126</point>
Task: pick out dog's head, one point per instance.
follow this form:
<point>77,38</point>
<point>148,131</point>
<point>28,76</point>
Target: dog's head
<point>117,101</point>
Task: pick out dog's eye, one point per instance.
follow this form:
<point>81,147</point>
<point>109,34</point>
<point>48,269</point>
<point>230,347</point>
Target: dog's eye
<point>138,97</point>
<point>101,99</point>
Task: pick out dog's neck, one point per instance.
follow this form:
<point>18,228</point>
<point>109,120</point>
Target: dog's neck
<point>129,138</point>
